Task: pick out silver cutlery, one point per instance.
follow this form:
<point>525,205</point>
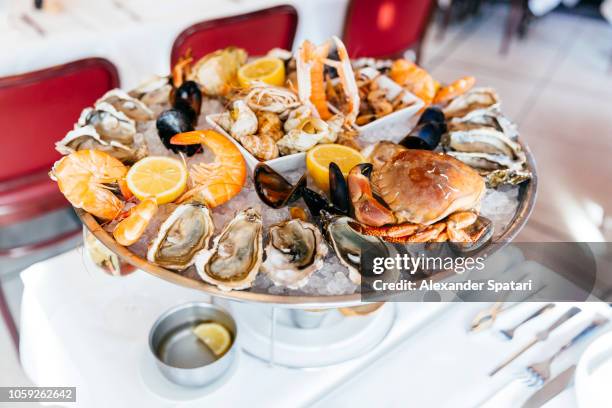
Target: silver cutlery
<point>540,336</point>
<point>539,373</point>
<point>485,318</point>
<point>509,333</point>
<point>551,389</point>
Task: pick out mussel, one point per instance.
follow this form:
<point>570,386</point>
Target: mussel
<point>172,122</point>
<point>427,133</point>
<point>188,98</point>
<point>273,189</point>
<point>432,114</point>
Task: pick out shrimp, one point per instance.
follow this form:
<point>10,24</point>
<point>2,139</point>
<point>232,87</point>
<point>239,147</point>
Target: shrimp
<point>85,178</point>
<point>217,182</point>
<point>130,229</point>
<point>311,61</point>
<point>457,88</point>
<point>415,79</point>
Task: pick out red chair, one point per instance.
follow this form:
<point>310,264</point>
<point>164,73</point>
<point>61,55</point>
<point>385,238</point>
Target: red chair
<point>257,32</point>
<point>385,28</point>
<point>37,109</point>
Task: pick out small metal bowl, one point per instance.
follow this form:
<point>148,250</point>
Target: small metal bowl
<point>180,356</point>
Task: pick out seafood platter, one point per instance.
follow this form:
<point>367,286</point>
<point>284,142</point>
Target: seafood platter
<point>265,178</point>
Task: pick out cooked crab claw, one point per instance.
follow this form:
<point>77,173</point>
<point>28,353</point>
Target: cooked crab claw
<point>425,136</point>
<point>472,237</point>
<point>273,189</point>
<point>368,210</point>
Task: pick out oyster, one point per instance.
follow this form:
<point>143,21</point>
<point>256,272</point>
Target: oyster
<point>474,137</point>
<point>217,72</point>
<point>351,246</point>
<point>234,260</point>
<point>109,123</point>
<point>131,107</point>
<point>154,91</point>
<point>86,137</point>
<point>296,250</point>
<point>475,99</point>
<point>181,236</point>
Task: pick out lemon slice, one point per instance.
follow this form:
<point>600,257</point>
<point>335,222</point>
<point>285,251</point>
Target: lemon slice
<point>215,336</point>
<point>319,157</point>
<point>164,178</point>
<point>269,70</point>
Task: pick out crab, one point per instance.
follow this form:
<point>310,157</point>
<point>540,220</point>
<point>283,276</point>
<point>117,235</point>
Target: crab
<point>418,196</point>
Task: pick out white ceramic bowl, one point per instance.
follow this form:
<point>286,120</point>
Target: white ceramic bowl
<point>393,126</point>
<point>594,374</point>
<point>281,164</point>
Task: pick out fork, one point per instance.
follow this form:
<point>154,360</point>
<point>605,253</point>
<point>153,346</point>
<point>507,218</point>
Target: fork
<point>538,373</point>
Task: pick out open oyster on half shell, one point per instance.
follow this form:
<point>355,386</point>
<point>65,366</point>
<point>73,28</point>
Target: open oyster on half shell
<point>181,237</point>
<point>296,250</point>
<point>482,137</point>
<point>234,260</point>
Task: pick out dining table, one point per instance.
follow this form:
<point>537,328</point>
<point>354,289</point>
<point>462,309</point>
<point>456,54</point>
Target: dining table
<point>136,35</point>
<point>83,328</point>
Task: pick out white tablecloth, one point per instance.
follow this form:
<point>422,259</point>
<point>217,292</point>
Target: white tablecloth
<point>137,36</point>
<point>85,329</point>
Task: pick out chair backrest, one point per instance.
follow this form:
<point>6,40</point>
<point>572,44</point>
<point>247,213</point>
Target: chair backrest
<point>385,28</point>
<point>257,32</point>
<point>38,108</point>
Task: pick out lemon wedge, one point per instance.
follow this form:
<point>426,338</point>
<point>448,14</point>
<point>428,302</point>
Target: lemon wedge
<point>161,177</point>
<point>269,70</point>
<point>215,336</point>
<point>319,157</point>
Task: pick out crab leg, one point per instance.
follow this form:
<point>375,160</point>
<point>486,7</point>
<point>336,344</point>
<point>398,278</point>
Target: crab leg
<point>367,208</point>
<point>456,225</point>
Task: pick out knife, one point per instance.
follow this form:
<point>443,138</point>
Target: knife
<point>551,389</point>
<point>540,336</point>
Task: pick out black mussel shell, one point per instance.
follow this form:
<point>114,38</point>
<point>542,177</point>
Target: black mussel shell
<point>273,189</point>
<point>188,95</point>
<point>172,122</point>
<point>425,136</point>
<point>432,114</point>
<point>317,204</point>
<point>483,227</point>
<point>338,189</point>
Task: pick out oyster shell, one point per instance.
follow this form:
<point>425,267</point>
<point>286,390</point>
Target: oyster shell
<point>181,236</point>
<point>86,137</point>
<point>474,137</point>
<point>216,72</point>
<point>475,99</point>
<point>109,123</point>
<point>295,250</point>
<point>234,260</point>
<point>351,246</point>
<point>131,107</point>
<point>154,91</point>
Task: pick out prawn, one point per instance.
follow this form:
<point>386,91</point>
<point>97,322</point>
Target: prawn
<point>455,89</point>
<point>131,228</point>
<point>311,61</point>
<point>85,177</point>
<point>415,79</point>
<point>217,182</point>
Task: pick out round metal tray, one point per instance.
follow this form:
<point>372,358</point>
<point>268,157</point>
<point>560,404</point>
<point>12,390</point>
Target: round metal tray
<point>527,196</point>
